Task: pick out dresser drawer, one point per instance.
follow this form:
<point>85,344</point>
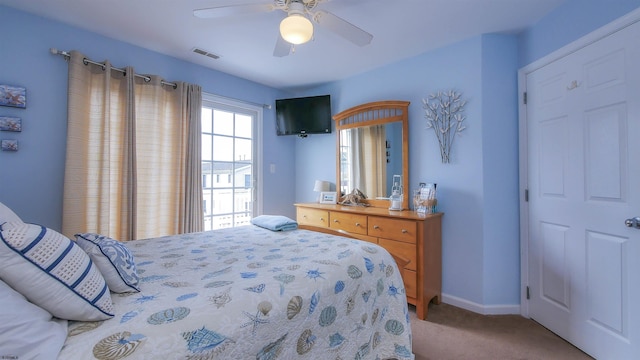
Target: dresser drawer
<point>402,249</point>
<point>312,217</point>
<point>396,229</point>
<point>410,280</point>
<point>353,223</point>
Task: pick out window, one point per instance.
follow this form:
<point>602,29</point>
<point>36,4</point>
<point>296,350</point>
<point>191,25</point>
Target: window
<point>230,139</point>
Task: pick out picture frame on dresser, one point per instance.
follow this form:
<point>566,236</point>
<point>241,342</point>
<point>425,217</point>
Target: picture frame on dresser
<point>328,197</point>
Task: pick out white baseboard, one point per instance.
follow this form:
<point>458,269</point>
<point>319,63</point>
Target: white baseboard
<point>479,308</point>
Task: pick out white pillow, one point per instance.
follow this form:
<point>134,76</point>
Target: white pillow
<point>28,332</point>
<point>7,215</point>
<point>53,272</point>
<point>113,259</point>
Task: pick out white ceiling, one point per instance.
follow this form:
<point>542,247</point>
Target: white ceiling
<point>245,43</point>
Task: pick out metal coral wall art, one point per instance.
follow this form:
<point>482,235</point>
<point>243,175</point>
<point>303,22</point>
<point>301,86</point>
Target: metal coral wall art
<point>444,112</point>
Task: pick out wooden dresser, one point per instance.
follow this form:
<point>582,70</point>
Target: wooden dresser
<point>417,238</point>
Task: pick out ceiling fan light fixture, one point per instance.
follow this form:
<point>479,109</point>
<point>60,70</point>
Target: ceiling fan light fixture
<point>296,29</point>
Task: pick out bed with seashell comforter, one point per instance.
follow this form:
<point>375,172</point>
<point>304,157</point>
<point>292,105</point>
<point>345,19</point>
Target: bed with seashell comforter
<point>252,293</point>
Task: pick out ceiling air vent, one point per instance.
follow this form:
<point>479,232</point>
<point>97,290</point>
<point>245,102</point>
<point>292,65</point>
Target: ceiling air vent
<point>205,53</point>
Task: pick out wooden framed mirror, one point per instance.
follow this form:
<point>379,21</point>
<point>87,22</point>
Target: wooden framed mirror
<point>372,146</point>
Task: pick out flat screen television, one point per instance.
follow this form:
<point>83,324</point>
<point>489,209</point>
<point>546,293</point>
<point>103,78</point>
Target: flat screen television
<point>304,115</point>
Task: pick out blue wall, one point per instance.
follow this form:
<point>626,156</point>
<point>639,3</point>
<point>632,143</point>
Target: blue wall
<point>31,180</point>
<point>478,190</point>
<point>501,247</point>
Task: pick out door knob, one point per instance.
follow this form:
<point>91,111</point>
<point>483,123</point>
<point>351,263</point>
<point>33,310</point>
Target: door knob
<point>633,222</point>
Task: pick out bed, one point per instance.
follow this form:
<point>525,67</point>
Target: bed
<point>248,293</point>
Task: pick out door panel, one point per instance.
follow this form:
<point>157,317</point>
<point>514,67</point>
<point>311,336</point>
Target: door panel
<point>556,279</point>
<point>605,153</point>
<point>553,157</point>
<point>607,305</point>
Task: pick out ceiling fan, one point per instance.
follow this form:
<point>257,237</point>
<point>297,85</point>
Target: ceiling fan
<point>296,28</point>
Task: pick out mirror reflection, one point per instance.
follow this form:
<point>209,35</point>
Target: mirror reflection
<point>369,158</point>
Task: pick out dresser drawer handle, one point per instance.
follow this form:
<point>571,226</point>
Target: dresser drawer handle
<point>376,227</point>
<point>335,220</point>
<point>358,224</point>
<point>321,219</point>
<point>404,231</point>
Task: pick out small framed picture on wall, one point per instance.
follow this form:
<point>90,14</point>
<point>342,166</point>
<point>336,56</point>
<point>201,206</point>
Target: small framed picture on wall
<point>10,123</point>
<point>9,145</point>
<point>14,96</point>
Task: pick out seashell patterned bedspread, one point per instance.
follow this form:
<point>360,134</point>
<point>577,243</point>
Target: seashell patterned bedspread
<point>250,293</point>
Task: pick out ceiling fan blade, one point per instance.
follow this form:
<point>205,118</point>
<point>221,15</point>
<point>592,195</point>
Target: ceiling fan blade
<point>230,10</point>
<point>343,28</point>
<point>283,48</point>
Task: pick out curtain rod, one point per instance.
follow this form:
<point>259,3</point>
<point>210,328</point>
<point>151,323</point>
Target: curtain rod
<point>66,55</point>
<point>86,61</point>
<point>265,106</point>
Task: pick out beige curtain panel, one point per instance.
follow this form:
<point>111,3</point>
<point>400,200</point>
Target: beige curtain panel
<point>133,154</point>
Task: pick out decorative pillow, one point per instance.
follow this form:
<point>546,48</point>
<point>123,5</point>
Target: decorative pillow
<point>53,272</point>
<point>7,215</point>
<point>113,259</point>
<point>28,332</point>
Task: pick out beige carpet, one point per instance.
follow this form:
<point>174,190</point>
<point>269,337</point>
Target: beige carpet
<point>453,333</point>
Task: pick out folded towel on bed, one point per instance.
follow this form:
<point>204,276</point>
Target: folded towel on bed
<point>275,222</point>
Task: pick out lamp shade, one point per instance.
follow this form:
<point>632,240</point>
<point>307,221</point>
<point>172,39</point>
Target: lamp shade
<point>321,185</point>
<point>296,29</point>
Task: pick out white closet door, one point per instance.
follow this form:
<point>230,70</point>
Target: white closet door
<point>583,123</point>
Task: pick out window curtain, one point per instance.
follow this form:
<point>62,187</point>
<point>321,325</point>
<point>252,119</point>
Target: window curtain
<point>133,154</point>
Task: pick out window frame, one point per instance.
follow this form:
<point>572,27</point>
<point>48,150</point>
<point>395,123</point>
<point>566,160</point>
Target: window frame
<point>217,102</point>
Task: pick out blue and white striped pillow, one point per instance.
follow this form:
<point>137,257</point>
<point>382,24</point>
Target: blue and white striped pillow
<point>53,272</point>
<point>113,259</point>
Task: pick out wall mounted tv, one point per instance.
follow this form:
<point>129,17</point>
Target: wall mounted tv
<point>304,115</point>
